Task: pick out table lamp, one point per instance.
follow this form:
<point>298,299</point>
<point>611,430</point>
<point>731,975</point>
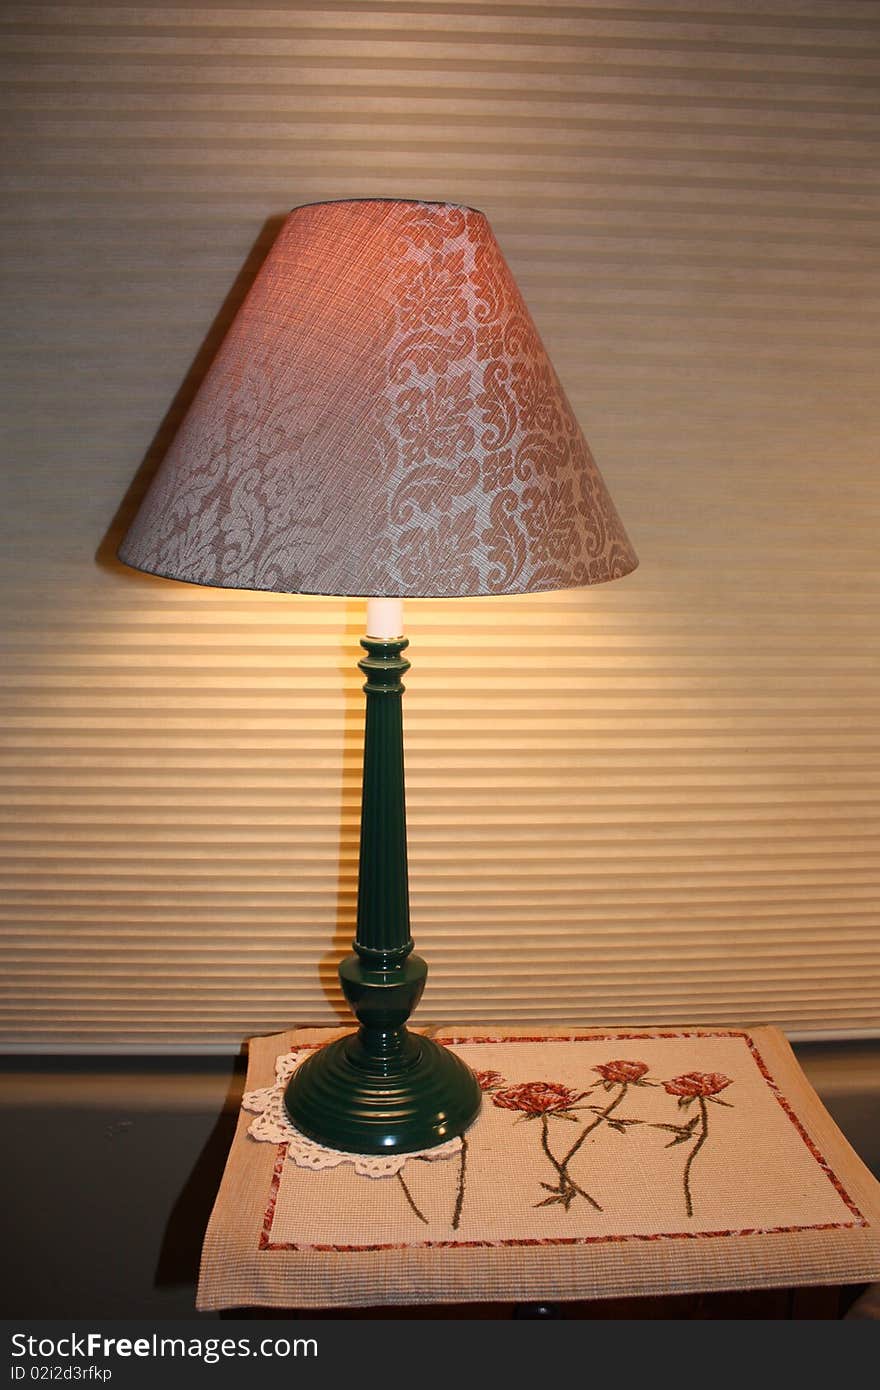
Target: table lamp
<point>381,420</point>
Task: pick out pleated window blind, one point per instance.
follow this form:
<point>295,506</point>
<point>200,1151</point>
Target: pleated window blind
<point>652,801</point>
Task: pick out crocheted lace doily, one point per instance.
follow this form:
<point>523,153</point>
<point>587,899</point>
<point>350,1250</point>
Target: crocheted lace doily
<point>272,1126</point>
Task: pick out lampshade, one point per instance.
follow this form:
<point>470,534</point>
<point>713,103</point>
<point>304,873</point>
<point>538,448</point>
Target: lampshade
<point>381,419</point>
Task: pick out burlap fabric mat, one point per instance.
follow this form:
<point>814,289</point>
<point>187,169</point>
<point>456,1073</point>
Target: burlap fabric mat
<point>604,1163</point>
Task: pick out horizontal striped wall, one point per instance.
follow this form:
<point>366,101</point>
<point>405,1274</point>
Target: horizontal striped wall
<point>652,801</point>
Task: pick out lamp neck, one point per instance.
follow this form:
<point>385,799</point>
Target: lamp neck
<point>384,618</point>
<point>383,932</point>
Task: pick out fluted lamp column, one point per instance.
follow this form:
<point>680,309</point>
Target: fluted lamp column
<point>381,420</point>
<point>383,1088</point>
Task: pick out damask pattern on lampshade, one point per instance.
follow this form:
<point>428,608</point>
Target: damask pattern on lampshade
<point>382,418</point>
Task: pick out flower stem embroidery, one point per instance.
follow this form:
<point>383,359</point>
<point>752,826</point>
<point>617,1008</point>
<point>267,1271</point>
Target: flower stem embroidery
<point>489,1081</point>
<point>409,1197</point>
<point>567,1189</point>
<point>602,1116</point>
<point>459,1196</point>
<point>702,1087</point>
<point>703,1136</point>
<point>622,1074</point>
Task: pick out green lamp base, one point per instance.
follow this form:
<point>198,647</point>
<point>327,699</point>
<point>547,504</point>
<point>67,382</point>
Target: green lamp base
<point>412,1094</point>
<point>383,1090</point>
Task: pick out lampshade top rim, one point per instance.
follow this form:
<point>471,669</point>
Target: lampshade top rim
<point>399,202</point>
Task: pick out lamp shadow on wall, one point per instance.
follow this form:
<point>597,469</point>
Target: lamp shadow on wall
<point>180,1249</point>
<point>181,1246</point>
<point>349,819</point>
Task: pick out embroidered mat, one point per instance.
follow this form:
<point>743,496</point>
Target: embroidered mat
<point>604,1163</point>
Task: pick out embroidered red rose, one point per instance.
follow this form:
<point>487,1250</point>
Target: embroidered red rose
<point>622,1072</point>
<point>697,1083</point>
<point>489,1080</point>
<point>537,1097</point>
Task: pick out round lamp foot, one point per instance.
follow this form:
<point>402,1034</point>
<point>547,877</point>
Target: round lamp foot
<point>414,1095</point>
